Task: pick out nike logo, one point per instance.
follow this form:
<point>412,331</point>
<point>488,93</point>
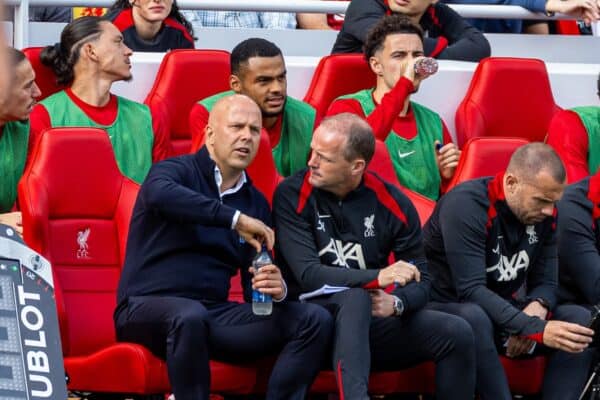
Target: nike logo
<point>323,215</point>
<point>402,155</point>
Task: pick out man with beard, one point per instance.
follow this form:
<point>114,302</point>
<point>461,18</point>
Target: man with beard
<point>418,141</point>
<point>258,71</point>
<point>491,247</point>
<point>15,108</point>
<point>90,57</point>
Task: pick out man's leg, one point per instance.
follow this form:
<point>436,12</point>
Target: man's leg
<point>301,333</point>
<point>566,373</point>
<point>428,335</point>
<point>351,310</point>
<point>491,379</point>
<point>175,329</point>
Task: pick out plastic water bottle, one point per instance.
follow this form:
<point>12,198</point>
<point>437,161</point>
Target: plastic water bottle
<point>426,66</point>
<point>262,304</point>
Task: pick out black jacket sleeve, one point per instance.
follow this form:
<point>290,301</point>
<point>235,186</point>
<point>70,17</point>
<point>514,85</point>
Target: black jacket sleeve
<point>408,246</point>
<point>164,191</point>
<point>542,278</point>
<point>579,257</point>
<point>464,42</point>
<point>463,221</point>
<point>296,245</point>
<point>360,16</point>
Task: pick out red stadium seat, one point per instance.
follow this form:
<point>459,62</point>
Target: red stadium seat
<point>184,78</point>
<point>567,27</point>
<point>337,75</point>
<point>484,156</point>
<point>507,97</point>
<point>262,169</point>
<point>76,209</point>
<point>382,165</point>
<point>44,76</point>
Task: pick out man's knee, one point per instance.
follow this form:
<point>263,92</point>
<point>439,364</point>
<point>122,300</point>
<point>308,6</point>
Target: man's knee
<point>573,313</point>
<point>354,300</point>
<point>476,317</point>
<point>189,320</point>
<point>459,331</point>
<point>318,319</point>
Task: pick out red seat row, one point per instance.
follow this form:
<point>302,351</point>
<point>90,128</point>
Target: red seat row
<point>62,197</point>
<point>492,105</point>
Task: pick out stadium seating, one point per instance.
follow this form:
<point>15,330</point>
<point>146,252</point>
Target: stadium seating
<point>184,78</point>
<point>484,156</point>
<point>76,213</point>
<point>44,76</point>
<point>506,97</point>
<point>337,75</point>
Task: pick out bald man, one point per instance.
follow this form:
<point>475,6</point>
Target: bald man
<point>197,220</point>
<point>491,247</point>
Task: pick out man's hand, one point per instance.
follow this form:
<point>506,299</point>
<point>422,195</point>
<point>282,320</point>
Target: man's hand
<point>588,10</point>
<point>447,158</point>
<point>382,304</point>
<point>255,232</point>
<point>268,280</point>
<point>399,272</point>
<point>567,336</point>
<point>14,220</point>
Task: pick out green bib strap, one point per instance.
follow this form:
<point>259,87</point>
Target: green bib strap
<point>131,134</point>
<point>291,153</point>
<point>590,117</point>
<point>414,160</point>
<point>13,147</point>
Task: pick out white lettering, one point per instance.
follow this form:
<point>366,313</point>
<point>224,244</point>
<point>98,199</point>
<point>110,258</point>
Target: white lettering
<point>32,326</point>
<point>47,392</point>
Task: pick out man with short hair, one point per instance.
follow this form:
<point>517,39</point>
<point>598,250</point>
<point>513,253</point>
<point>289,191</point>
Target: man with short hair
<point>337,224</point>
<point>258,71</point>
<point>575,135</point>
<point>90,57</point>
<point>196,221</point>
<point>579,242</point>
<point>491,248</point>
<point>412,132</point>
<point>21,95</point>
<point>449,36</point>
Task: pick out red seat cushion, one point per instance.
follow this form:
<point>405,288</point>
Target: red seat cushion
<point>484,156</point>
<point>44,76</point>
<point>506,97</point>
<point>184,78</point>
<point>525,377</point>
<point>337,75</point>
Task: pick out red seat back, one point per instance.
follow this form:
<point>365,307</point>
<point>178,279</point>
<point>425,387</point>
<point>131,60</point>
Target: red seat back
<point>484,156</point>
<point>184,78</point>
<point>382,165</point>
<point>337,75</point>
<point>262,169</point>
<point>44,75</point>
<point>506,97</point>
<point>76,208</point>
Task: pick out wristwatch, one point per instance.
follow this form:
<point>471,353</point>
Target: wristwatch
<point>543,302</point>
<point>398,306</point>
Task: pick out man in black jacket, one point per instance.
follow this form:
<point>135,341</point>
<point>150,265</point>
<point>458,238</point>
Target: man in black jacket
<point>337,225</point>
<point>197,219</point>
<point>448,35</point>
<point>492,253</point>
<point>579,242</point>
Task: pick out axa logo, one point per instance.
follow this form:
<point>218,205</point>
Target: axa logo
<point>344,252</point>
<point>508,268</point>
<point>82,242</point>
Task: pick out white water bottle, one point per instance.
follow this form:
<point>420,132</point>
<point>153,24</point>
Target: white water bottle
<point>262,304</point>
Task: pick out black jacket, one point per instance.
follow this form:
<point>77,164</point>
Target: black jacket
<point>479,252</point>
<point>448,35</point>
<point>324,240</point>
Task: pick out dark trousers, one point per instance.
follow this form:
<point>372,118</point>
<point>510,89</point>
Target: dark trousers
<point>565,374</point>
<point>187,333</point>
<point>392,343</point>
